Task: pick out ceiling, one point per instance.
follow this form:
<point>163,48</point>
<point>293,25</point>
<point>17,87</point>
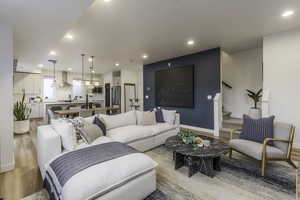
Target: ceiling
<point>122,30</point>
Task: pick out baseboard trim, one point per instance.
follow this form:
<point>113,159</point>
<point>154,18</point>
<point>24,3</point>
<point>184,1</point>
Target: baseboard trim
<point>7,167</point>
<point>210,131</point>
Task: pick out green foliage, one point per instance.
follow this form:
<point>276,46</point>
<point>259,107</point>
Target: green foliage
<point>255,96</point>
<point>21,111</point>
<point>187,137</point>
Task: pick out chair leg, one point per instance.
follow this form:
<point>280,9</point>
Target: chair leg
<point>292,163</point>
<point>230,153</point>
<point>263,167</point>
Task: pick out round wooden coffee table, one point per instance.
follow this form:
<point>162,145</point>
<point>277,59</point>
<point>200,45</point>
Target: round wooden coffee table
<point>202,159</point>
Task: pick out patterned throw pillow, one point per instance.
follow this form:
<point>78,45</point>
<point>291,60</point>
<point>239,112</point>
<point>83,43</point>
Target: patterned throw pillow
<point>99,122</point>
<point>257,129</point>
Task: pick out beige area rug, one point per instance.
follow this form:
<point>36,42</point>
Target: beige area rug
<point>238,180</point>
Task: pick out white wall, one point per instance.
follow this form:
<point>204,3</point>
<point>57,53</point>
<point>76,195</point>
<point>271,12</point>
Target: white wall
<point>281,56</point>
<point>6,106</point>
<point>242,70</point>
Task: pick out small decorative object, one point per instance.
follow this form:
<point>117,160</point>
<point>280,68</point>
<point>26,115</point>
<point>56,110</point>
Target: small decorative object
<point>206,143</point>
<point>199,142</point>
<point>21,115</point>
<point>255,112</point>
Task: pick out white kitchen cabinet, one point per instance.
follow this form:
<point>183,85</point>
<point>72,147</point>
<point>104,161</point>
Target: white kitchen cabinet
<point>37,110</point>
<point>31,83</point>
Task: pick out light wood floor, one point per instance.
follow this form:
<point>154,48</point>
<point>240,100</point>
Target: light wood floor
<point>25,179</point>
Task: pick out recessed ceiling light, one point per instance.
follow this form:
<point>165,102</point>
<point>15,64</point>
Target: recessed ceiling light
<point>69,36</point>
<point>107,0</point>
<point>93,71</point>
<point>69,69</point>
<point>190,42</point>
<point>145,56</point>
<point>90,59</point>
<point>288,13</point>
<point>40,65</point>
<point>52,53</point>
<point>117,64</point>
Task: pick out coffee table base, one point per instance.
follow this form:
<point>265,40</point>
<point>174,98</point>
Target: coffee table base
<point>205,165</point>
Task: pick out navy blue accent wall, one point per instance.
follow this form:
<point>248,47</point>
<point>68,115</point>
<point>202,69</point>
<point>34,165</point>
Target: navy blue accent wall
<point>207,82</point>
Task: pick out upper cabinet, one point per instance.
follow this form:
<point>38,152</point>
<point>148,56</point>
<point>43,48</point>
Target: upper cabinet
<point>31,83</point>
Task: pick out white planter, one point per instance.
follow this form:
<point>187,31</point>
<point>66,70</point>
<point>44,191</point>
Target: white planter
<point>21,127</point>
<point>255,113</point>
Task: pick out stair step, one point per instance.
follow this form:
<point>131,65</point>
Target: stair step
<point>233,121</point>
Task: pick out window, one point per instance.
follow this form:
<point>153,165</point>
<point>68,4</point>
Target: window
<point>78,88</point>
<point>48,90</point>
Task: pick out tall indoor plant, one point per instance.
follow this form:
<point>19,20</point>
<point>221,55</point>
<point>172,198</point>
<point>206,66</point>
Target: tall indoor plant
<point>255,112</point>
<point>21,116</point>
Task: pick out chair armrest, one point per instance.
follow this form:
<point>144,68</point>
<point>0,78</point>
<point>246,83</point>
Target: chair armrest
<point>234,131</point>
<point>267,140</point>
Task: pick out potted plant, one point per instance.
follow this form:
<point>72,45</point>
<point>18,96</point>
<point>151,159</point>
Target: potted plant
<point>255,112</point>
<point>21,115</point>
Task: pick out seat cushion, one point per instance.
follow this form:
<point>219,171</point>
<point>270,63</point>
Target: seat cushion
<point>161,128</point>
<point>127,134</point>
<point>254,149</point>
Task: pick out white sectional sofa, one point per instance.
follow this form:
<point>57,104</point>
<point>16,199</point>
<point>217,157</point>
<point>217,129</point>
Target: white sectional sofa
<point>123,128</point>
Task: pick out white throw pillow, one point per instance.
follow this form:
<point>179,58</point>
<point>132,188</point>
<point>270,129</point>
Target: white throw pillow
<point>123,119</point>
<point>169,116</point>
<point>139,117</point>
<point>148,118</point>
<point>67,133</point>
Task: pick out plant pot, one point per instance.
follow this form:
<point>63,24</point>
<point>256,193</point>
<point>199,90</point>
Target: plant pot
<point>21,127</point>
<point>255,113</point>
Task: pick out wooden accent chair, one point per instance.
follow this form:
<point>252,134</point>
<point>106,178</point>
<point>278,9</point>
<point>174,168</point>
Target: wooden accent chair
<point>280,151</point>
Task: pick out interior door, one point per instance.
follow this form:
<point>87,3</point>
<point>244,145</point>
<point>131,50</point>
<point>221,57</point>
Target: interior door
<point>129,96</point>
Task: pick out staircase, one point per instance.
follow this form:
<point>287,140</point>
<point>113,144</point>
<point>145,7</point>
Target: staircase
<point>228,125</point>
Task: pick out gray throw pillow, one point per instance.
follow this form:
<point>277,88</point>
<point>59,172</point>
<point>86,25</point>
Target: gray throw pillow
<point>148,118</point>
<point>90,132</point>
<point>257,129</point>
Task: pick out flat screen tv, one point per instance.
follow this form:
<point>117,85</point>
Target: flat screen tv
<point>175,87</point>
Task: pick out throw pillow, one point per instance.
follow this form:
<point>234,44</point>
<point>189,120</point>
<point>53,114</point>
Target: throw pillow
<point>169,116</point>
<point>257,129</point>
<point>159,116</point>
<point>139,117</point>
<point>67,133</point>
<point>90,132</point>
<point>99,122</point>
<point>148,118</point>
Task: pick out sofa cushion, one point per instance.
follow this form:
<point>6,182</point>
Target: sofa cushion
<point>257,129</point>
<point>169,116</point>
<point>99,122</point>
<point>90,132</point>
<point>161,128</point>
<point>254,149</point>
<point>119,120</point>
<point>131,133</point>
<point>148,118</point>
<point>159,116</point>
<point>67,133</point>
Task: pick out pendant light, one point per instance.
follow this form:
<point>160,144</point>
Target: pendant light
<point>92,71</point>
<point>54,84</point>
<point>82,69</point>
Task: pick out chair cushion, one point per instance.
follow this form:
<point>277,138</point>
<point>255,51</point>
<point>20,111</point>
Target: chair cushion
<point>257,129</point>
<point>128,134</point>
<point>254,149</point>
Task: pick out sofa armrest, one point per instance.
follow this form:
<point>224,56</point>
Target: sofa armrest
<point>48,146</point>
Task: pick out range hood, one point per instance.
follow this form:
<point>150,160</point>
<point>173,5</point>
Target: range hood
<point>64,83</point>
